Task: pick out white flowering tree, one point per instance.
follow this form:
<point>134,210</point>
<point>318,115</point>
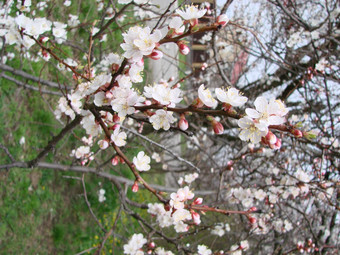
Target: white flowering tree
<point>257,166</point>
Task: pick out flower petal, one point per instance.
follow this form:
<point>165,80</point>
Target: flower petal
<point>261,104</point>
<point>253,113</point>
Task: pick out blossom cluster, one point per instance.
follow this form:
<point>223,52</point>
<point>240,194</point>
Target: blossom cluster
<point>133,247</point>
<point>177,214</point>
<point>20,29</point>
<point>119,93</point>
<point>255,124</point>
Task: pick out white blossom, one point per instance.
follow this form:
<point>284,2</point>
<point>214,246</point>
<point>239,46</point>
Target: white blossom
<point>181,215</point>
<point>89,124</point>
<point>189,178</point>
<point>251,131</point>
<point>206,97</point>
<point>161,251</point>
<point>142,161</point>
<point>119,138</point>
<point>139,42</point>
<point>321,65</point>
<point>269,113</point>
<point>180,227</point>
<point>177,25</point>
<point>101,195</point>
<point>203,250</point>
<point>164,94</point>
<point>231,96</point>
<point>162,119</point>
<point>191,12</point>
<point>135,243</point>
<point>67,3</point>
<point>59,32</point>
<point>218,230</point>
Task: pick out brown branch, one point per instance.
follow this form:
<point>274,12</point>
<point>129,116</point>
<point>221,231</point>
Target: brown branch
<point>105,175</point>
<point>188,33</point>
<point>114,75</point>
<point>213,209</point>
<point>163,14</point>
<point>87,250</point>
<point>190,109</point>
<point>28,76</point>
<point>59,59</point>
<point>158,194</point>
<point>26,86</point>
<point>113,19</point>
<point>7,152</point>
<point>163,148</point>
<point>55,140</point>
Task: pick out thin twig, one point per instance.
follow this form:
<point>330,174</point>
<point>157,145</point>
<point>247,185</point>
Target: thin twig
<point>139,178</point>
<point>105,175</point>
<point>164,13</point>
<point>26,86</point>
<point>28,76</point>
<point>163,147</point>
<point>7,152</point>
<point>87,250</point>
<point>89,205</point>
<point>55,140</point>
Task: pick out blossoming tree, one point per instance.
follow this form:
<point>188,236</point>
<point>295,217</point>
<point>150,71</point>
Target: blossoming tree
<point>258,162</point>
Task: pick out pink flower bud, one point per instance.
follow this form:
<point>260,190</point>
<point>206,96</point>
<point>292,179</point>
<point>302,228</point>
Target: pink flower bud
<point>198,201</point>
<point>204,66</point>
<point>197,103</point>
<point>115,161</point>
<point>156,54</point>
<point>230,165</point>
<point>121,160</point>
<point>297,133</point>
<point>135,187</point>
<point>252,209</point>
<point>196,218</point>
<point>222,20</point>
<point>152,245</point>
<point>218,127</point>
<point>115,67</point>
<point>252,220</point>
<point>183,123</point>
<point>115,126</point>
<point>43,39</point>
<point>44,53</point>
<point>278,144</point>
<point>309,241</point>
<point>108,95</point>
<point>183,48</point>
<point>193,22</point>
<point>116,118</point>
<point>270,138</point>
<point>140,63</point>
